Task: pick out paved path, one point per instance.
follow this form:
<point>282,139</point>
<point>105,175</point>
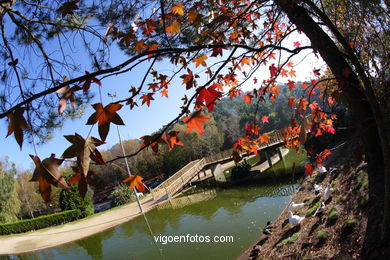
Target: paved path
<point>54,236</point>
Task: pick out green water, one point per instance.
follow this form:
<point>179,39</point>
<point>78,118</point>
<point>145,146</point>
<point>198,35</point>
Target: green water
<point>240,212</point>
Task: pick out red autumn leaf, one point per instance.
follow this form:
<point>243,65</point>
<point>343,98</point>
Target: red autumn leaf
<point>147,98</point>
<point>172,139</point>
<point>164,92</point>
<point>252,129</point>
<point>264,138</point>
<point>189,79</point>
<point>273,70</point>
<point>291,84</point>
<point>323,156</point>
<point>330,130</point>
<point>309,169</point>
<point>217,51</point>
<point>46,173</point>
<point>264,119</point>
<point>209,95</point>
<point>17,124</point>
<point>88,81</point>
<point>195,122</point>
<point>291,102</point>
<point>135,181</point>
<point>297,44</point>
<point>82,181</point>
<point>68,8</point>
<point>105,116</point>
<point>152,141</point>
<point>247,98</point>
<point>316,72</point>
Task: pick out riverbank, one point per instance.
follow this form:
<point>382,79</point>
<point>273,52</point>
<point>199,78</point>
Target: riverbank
<point>70,232</point>
<point>339,231</point>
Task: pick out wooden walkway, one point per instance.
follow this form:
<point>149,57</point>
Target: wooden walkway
<point>178,180</point>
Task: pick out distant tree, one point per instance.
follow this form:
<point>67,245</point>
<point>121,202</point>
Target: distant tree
<point>9,201</point>
<point>28,195</point>
<point>121,195</point>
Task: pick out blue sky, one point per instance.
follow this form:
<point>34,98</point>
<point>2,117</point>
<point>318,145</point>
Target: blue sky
<point>140,121</point>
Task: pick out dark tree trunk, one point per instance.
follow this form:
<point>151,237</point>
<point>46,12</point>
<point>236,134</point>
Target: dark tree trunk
<point>364,112</point>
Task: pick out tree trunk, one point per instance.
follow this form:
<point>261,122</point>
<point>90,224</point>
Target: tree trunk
<point>364,109</point>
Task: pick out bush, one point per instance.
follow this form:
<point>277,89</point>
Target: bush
<point>333,215</point>
<point>121,195</point>
<point>39,222</point>
<point>240,171</point>
<point>322,235</point>
<point>71,199</point>
<point>289,240</point>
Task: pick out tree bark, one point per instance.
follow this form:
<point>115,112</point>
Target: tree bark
<point>364,108</point>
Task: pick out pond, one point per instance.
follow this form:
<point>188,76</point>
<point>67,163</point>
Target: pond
<point>239,213</point>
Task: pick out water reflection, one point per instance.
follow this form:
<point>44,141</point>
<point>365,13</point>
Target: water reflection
<point>237,211</point>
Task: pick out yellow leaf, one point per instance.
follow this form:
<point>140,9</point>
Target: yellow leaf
<point>178,9</point>
<point>200,60</point>
<point>173,28</point>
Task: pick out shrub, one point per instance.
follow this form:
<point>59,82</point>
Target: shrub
<point>121,195</point>
<point>288,240</point>
<point>71,199</point>
<point>322,235</point>
<point>333,214</point>
<point>39,222</point>
<point>313,208</point>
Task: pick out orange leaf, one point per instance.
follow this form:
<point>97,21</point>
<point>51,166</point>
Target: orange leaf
<point>16,124</point>
<point>105,116</point>
<point>147,98</point>
<point>178,9</point>
<point>136,181</point>
<point>173,139</point>
<point>309,169</point>
<point>264,138</point>
<point>164,92</point>
<point>173,28</point>
<point>195,122</point>
<point>291,102</point>
<point>200,60</point>
<point>247,98</point>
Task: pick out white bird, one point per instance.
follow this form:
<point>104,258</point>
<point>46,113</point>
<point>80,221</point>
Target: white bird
<point>317,189</point>
<point>295,206</point>
<point>322,169</point>
<point>327,192</point>
<point>294,219</point>
<point>320,208</point>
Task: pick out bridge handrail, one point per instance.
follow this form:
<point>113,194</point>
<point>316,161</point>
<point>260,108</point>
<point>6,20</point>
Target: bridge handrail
<point>185,174</point>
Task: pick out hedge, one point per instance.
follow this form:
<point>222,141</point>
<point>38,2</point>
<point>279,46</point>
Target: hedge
<point>39,222</point>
